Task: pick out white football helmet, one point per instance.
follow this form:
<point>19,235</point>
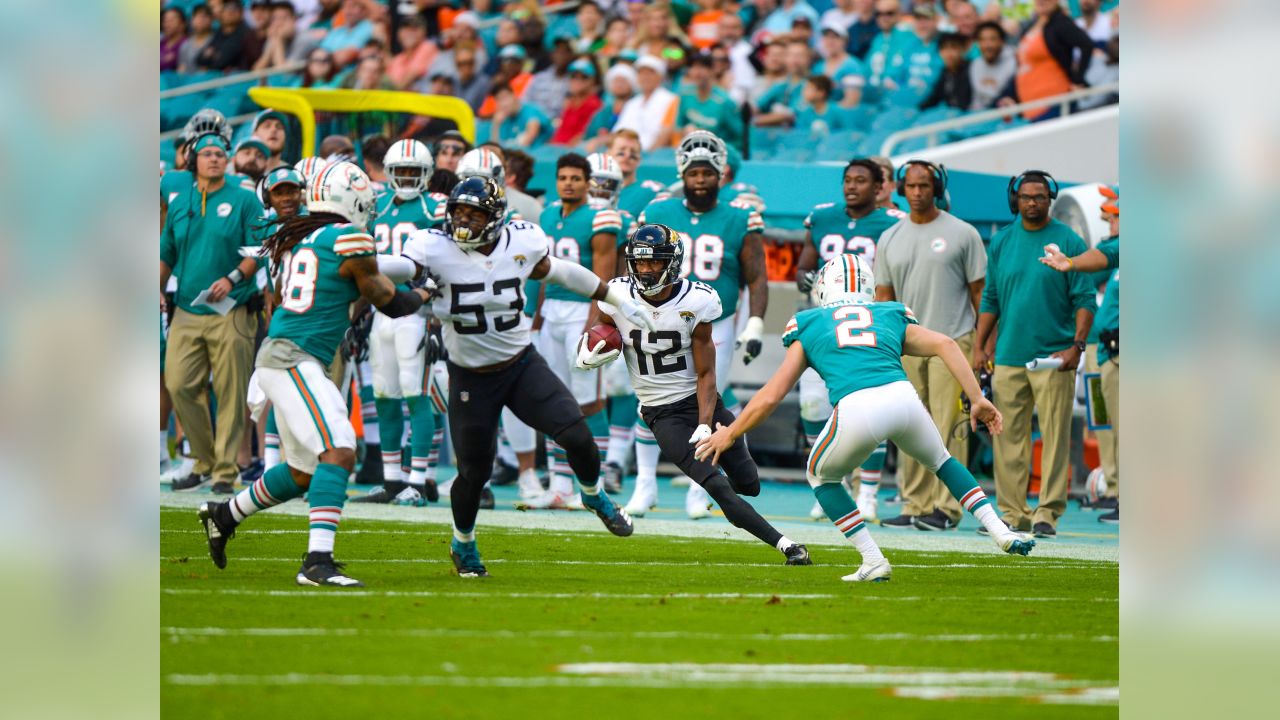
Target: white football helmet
<point>844,277</point>
<point>309,167</point>
<point>343,189</point>
<point>701,146</point>
<point>409,155</point>
<point>482,162</point>
<point>605,183</point>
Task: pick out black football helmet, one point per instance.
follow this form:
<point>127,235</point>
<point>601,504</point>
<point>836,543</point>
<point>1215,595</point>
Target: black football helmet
<point>655,242</point>
<point>487,196</point>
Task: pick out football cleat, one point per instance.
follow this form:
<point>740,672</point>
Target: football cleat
<point>816,512</point>
<point>381,495</point>
<point>190,483</point>
<point>1111,518</point>
<point>697,503</point>
<point>487,501</point>
<point>936,520</point>
<point>409,497</point>
<point>319,569</point>
<point>466,559</point>
<point>530,485</point>
<point>503,474</point>
<point>1016,543</point>
<point>612,478</point>
<point>797,554</point>
<point>551,500</point>
<point>643,499</point>
<point>218,529</point>
<point>875,571</point>
<point>615,519</point>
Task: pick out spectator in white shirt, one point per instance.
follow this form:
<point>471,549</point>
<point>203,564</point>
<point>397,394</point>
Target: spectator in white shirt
<point>744,73</point>
<point>991,72</point>
<point>651,114</point>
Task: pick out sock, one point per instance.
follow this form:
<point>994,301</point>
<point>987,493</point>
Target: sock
<point>598,424</point>
<point>647,453</point>
<point>812,428</point>
<point>274,487</point>
<point>369,416</point>
<point>422,417</point>
<point>437,438</point>
<point>271,438</point>
<point>840,508</point>
<point>327,495</point>
<point>164,446</point>
<point>460,536</point>
<point>622,421</point>
<point>784,544</point>
<point>561,475</point>
<point>391,431</point>
<point>869,473</point>
<point>960,482</point>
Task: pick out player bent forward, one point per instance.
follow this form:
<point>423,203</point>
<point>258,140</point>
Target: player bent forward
<point>325,260</point>
<point>856,345</point>
<point>673,371</point>
<point>480,265</point>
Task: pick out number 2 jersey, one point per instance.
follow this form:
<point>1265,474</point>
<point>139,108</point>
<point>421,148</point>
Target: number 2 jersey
<point>481,296</point>
<point>712,242</point>
<point>853,345</point>
<point>834,233</point>
<point>314,302</point>
<point>661,360</point>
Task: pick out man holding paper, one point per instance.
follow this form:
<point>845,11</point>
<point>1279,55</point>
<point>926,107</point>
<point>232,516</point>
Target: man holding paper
<point>1043,314</point>
<point>213,328</point>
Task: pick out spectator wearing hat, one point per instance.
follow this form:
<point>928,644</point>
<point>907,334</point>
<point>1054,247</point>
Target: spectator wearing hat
<point>205,227</point>
<point>512,72</point>
<point>516,123</point>
<point>230,48</point>
<point>703,106</point>
<point>416,55</point>
<point>779,103</point>
<point>923,64</point>
<point>802,29</point>
<point>621,84</point>
<point>344,42</point>
<point>465,30</point>
<point>742,72</point>
<point>651,113</point>
<point>991,72</point>
<point>952,88</point>
<point>887,57</point>
<point>581,105</point>
<point>250,159</point>
<point>843,69</point>
<point>782,19</point>
<point>270,127</point>
<point>548,87</point>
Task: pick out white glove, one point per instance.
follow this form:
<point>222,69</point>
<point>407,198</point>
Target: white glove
<point>630,309</point>
<point>751,337</point>
<point>702,433</point>
<point>592,358</point>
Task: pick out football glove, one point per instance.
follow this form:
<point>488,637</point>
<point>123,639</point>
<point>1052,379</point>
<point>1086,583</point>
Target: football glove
<point>701,433</point>
<point>592,358</point>
<point>433,342</point>
<point>630,309</point>
<point>804,280</point>
<point>752,338</point>
<point>355,342</point>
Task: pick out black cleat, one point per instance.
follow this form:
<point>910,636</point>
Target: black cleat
<point>615,519</point>
<point>466,559</point>
<point>902,521</point>
<point>218,529</point>
<point>371,468</point>
<point>486,498</point>
<point>1111,518</point>
<point>936,520</point>
<point>381,495</point>
<point>318,568</point>
<point>797,554</point>
<point>190,482</point>
<point>503,474</point>
<point>432,493</point>
<point>1043,530</point>
<point>611,476</point>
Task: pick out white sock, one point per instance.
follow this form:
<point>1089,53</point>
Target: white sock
<point>164,446</point>
<point>561,476</point>
<point>593,490</point>
<point>866,545</point>
<point>464,536</point>
<point>869,481</point>
<point>391,471</point>
<point>620,440</point>
<point>991,521</point>
<point>321,538</point>
<point>271,455</point>
<point>784,544</point>
<point>418,478</point>
<point>647,461</point>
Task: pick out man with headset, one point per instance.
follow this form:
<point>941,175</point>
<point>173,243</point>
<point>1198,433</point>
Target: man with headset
<point>934,263</point>
<point>1044,315</point>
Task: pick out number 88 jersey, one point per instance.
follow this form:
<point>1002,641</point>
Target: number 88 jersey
<point>661,361</point>
<point>712,242</point>
<point>853,345</point>
<point>481,296</point>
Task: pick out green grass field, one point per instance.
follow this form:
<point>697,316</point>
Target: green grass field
<point>648,626</point>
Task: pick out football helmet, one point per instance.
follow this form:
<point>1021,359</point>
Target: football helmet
<point>205,122</point>
<point>844,277</point>
<point>310,167</point>
<point>482,162</point>
<point>654,242</point>
<point>342,189</point>
<point>408,155</point>
<point>481,193</point>
<point>605,183</point>
<point>701,146</point>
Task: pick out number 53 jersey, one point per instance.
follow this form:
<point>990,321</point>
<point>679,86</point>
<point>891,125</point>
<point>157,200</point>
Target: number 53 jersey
<point>661,360</point>
<point>853,345</point>
<point>481,296</point>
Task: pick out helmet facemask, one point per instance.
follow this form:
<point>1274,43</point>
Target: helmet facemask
<point>408,180</point>
<point>602,193</point>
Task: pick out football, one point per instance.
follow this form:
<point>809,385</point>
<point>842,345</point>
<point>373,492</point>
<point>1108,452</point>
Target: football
<point>608,333</point>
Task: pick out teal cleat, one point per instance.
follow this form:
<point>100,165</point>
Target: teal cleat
<point>614,518</point>
<point>1017,544</point>
<point>466,559</point>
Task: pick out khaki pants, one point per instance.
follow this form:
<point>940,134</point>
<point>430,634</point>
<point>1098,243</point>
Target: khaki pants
<point>198,345</point>
<point>1111,394</point>
<point>922,491</point>
<point>1108,440</point>
<point>1050,394</point>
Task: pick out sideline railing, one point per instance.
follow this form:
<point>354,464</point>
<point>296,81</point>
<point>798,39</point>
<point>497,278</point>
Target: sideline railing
<point>235,79</point>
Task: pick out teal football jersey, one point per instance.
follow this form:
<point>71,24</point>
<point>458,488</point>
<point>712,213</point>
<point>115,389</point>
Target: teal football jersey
<point>712,242</point>
<point>397,221</point>
<point>834,233</point>
<point>636,196</point>
<point>852,345</point>
<point>571,239</point>
<point>314,297</point>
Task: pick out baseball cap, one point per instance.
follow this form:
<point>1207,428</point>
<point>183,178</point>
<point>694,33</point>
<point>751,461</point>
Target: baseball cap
<point>651,63</point>
<point>269,114</point>
<point>583,66</point>
<point>282,176</point>
<point>924,10</point>
<point>467,18</point>
<point>512,52</point>
<point>836,29</point>
<point>211,140</point>
<point>253,142</point>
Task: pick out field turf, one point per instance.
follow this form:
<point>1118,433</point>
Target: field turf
<point>651,626</point>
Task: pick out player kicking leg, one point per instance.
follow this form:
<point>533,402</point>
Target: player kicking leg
<point>856,346</point>
<point>673,371</point>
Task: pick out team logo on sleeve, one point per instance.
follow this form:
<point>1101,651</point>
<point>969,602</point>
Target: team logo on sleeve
<point>521,260</point>
<point>686,316</point>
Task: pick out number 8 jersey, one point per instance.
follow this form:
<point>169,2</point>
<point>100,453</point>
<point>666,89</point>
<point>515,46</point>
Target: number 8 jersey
<point>661,360</point>
<point>481,296</point>
<point>853,345</point>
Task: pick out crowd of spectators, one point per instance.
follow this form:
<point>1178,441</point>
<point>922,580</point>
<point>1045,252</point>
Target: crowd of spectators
<point>534,73</point>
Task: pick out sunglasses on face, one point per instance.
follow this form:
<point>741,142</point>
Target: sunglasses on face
<point>886,13</point>
<point>452,150</point>
<point>1034,198</point>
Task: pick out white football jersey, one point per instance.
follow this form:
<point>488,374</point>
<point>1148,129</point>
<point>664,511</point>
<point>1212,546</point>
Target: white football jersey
<point>661,361</point>
<point>481,301</point>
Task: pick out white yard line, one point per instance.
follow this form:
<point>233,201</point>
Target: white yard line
<point>640,563</point>
<point>851,595</point>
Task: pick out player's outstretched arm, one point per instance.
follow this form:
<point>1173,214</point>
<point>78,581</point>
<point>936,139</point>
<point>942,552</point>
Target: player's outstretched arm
<point>761,406</point>
<point>577,279</point>
<point>922,342</point>
<point>1091,260</point>
<point>378,288</point>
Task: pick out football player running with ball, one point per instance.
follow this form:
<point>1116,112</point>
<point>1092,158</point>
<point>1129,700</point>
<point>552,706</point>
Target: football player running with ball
<point>856,345</point>
<point>479,265</point>
<point>673,371</point>
<point>326,260</point>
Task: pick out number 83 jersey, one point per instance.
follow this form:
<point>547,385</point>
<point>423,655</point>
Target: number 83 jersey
<point>661,360</point>
<point>481,296</point>
<point>853,345</point>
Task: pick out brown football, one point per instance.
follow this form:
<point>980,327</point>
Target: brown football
<point>608,333</point>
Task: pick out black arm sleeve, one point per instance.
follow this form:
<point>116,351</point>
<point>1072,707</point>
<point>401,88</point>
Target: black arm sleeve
<point>401,304</point>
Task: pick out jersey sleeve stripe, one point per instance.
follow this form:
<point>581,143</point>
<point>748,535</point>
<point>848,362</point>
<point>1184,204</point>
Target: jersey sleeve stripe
<point>754,221</point>
<point>354,245</point>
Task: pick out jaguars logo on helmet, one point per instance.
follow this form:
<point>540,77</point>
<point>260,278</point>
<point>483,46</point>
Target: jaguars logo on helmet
<point>485,195</point>
<point>654,242</point>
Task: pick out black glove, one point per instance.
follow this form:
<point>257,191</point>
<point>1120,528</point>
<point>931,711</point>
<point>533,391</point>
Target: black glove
<point>433,343</point>
<point>804,280</point>
<point>751,350</point>
<point>355,342</point>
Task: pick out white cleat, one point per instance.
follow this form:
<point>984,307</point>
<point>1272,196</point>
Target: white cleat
<point>877,571</point>
<point>816,512</point>
<point>697,503</point>
<point>868,506</point>
<point>1016,543</point>
<point>643,499</point>
<point>530,485</point>
<point>551,500</point>
<point>177,468</point>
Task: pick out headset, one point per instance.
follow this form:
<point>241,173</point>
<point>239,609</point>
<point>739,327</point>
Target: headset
<point>939,174</point>
<point>1015,184</point>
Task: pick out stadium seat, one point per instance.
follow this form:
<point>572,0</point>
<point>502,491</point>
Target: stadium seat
<point>893,119</point>
<point>861,116</point>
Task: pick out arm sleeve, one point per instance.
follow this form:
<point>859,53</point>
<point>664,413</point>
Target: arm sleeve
<point>572,277</point>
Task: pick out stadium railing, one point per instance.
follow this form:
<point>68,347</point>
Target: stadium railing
<point>945,129</point>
